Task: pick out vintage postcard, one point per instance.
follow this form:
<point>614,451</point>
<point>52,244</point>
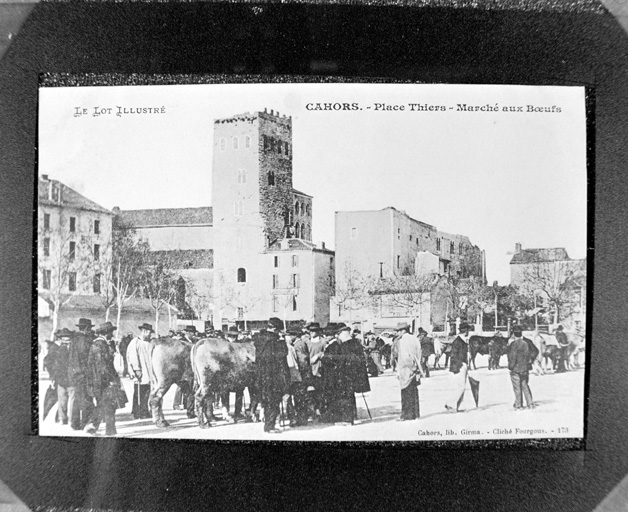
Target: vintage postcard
<point>312,262</point>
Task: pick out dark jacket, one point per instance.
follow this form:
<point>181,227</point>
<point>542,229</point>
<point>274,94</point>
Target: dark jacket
<point>102,379</point>
<point>272,372</point>
<point>56,362</point>
<point>79,352</point>
<point>459,354</point>
<point>519,356</point>
<point>534,351</point>
<point>344,368</point>
<point>303,359</point>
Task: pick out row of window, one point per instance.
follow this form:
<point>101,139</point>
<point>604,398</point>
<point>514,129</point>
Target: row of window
<point>71,250</point>
<point>295,281</point>
<point>290,301</point>
<point>294,260</point>
<point>72,224</point>
<point>276,146</point>
<point>71,281</point>
<point>302,209</point>
<point>235,143</point>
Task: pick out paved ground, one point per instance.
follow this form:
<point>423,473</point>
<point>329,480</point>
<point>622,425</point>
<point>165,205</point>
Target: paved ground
<point>559,413</point>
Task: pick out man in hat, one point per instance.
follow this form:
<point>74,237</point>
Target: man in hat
<point>374,358</point>
<point>459,367</point>
<point>138,356</point>
<point>80,405</point>
<point>409,371</point>
<point>427,348</point>
<point>191,334</point>
<point>273,376</point>
<point>519,364</point>
<point>344,374</point>
<point>56,363</point>
<point>563,344</point>
<point>103,381</point>
<point>315,345</point>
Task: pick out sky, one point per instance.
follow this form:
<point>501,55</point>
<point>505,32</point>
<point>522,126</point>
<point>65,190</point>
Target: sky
<point>499,177</point>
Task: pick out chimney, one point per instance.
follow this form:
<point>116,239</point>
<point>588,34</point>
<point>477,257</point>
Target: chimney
<point>517,248</point>
<point>44,177</point>
<point>116,210</point>
<point>323,245</point>
<point>272,112</point>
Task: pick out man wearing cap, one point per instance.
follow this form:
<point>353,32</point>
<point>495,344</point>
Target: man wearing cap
<point>409,371</point>
<point>56,362</point>
<point>519,364</point>
<point>80,405</point>
<point>459,367</point>
<point>138,356</point>
<point>273,376</point>
<point>103,381</point>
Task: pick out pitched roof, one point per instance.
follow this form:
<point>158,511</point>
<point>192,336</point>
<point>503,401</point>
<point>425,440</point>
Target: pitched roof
<point>295,191</point>
<point>167,217</point>
<point>538,255</point>
<point>55,193</point>
<point>296,244</point>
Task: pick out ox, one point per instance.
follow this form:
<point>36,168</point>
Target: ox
<point>220,367</point>
<point>493,346</point>
<point>170,359</point>
<point>550,351</point>
<point>442,346</point>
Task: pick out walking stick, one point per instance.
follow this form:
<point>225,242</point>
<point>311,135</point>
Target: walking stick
<point>367,407</point>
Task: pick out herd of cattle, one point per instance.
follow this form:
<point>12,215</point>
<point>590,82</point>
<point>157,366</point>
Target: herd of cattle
<point>213,367</point>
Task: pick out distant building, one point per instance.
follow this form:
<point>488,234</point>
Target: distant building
<point>227,253</point>
<point>557,281</point>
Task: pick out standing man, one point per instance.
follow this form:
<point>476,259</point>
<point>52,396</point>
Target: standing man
<point>103,381</point>
<point>563,344</point>
<point>316,349</point>
<point>80,404</point>
<point>56,361</point>
<point>459,367</point>
<point>273,376</point>
<point>305,408</point>
<point>409,372</point>
<point>374,357</point>
<point>138,356</point>
<point>519,364</point>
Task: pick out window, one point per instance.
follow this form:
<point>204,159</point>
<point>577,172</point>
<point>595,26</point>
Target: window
<point>275,304</point>
<point>417,241</point>
<point>72,254</point>
<point>72,281</point>
<point>354,233</point>
<point>276,262</point>
<point>265,142</point>
<point>223,144</point>
<point>297,230</point>
<point>96,252</point>
<point>295,260</point>
<point>97,227</point>
<point>237,208</point>
<point>460,250</point>
<point>46,284</point>
<point>242,176</point>
<point>271,178</point>
<point>46,221</point>
<point>287,148</point>
<point>247,142</point>
<point>398,261</point>
<point>241,275</point>
<point>308,233</point>
<point>279,147</point>
<point>46,246</point>
<point>438,244</point>
<point>307,209</point>
<point>294,303</point>
<point>331,262</point>
<point>297,208</point>
<point>272,144</point>
<point>72,224</point>
<point>240,313</point>
<point>97,283</point>
<point>235,142</point>
<point>451,247</point>
<point>275,281</point>
<point>295,280</point>
<point>411,238</point>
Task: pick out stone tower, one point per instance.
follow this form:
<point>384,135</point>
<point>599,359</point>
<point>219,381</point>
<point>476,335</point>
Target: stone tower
<point>252,203</point>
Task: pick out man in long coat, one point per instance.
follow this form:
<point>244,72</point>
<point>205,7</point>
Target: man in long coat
<point>563,344</point>
<point>316,349</point>
<point>344,374</point>
<point>56,362</point>
<point>409,369</point>
<point>519,363</point>
<point>80,405</point>
<point>138,356</point>
<point>459,367</point>
<point>273,376</point>
<point>306,407</point>
<point>103,382</point>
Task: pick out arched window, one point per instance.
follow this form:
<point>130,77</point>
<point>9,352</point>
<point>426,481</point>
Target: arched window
<point>308,233</point>
<point>247,142</point>
<point>235,143</point>
<point>241,275</point>
<point>297,207</point>
<point>271,178</point>
<point>307,209</point>
<point>297,232</point>
<point>223,144</point>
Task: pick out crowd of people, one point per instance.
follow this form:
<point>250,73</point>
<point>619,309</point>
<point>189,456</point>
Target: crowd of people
<point>305,375</point>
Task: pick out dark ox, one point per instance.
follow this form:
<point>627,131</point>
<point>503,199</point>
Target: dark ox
<point>170,359</point>
<point>220,367</point>
<point>493,346</point>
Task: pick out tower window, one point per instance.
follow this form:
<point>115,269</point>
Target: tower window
<point>272,144</point>
<point>271,178</point>
<point>279,147</point>
<point>247,142</point>
<point>241,275</point>
<point>398,261</point>
<point>297,208</point>
<point>265,142</point>
<point>223,144</point>
<point>235,143</point>
<point>297,230</point>
<point>287,148</point>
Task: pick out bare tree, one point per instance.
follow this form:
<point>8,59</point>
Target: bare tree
<point>160,284</point>
<point>351,291</point>
<point>556,281</point>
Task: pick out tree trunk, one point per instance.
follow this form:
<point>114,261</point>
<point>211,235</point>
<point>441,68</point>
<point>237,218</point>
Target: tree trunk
<point>157,321</point>
<point>107,309</point>
<point>55,321</point>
